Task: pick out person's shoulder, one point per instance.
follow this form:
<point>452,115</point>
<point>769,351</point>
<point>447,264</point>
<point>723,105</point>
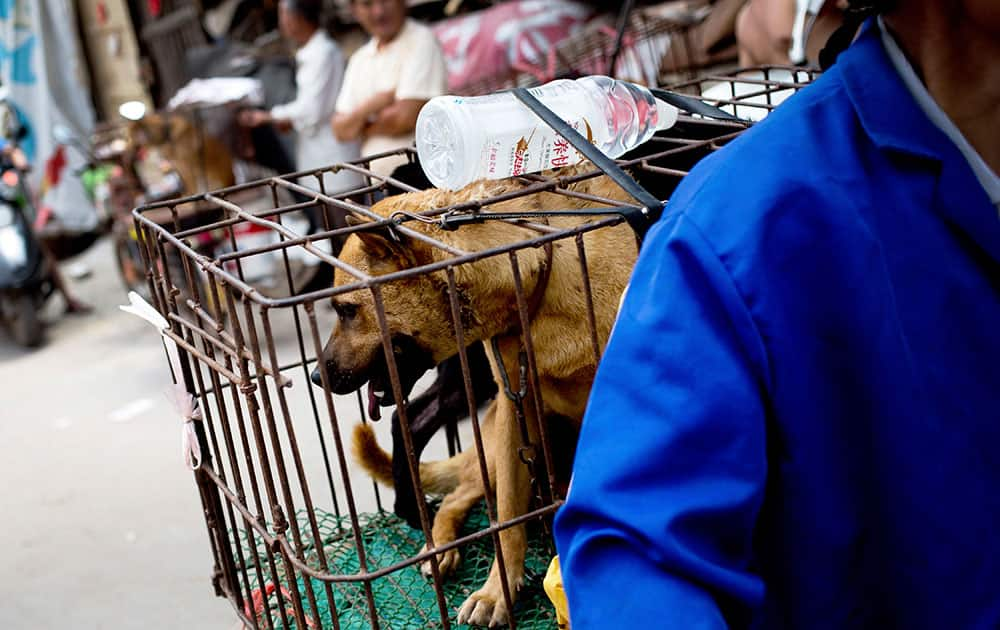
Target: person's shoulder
<point>327,39</point>
<point>814,131</point>
<point>362,55</point>
<point>418,32</point>
<point>322,42</point>
<point>797,176</point>
<point>416,28</point>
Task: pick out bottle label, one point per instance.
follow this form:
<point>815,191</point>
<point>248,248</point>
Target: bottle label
<point>521,155</point>
<point>507,155</point>
<point>514,141</point>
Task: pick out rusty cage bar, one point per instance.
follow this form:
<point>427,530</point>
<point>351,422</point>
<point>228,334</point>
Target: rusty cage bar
<point>301,537</point>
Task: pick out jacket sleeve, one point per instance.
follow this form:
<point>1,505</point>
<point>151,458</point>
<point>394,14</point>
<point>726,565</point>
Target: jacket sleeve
<point>670,469</point>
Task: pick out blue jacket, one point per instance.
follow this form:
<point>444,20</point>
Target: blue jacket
<point>796,423</point>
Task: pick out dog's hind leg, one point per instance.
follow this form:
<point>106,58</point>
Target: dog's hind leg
<point>458,478</point>
<point>455,506</point>
<point>443,404</point>
<point>451,514</point>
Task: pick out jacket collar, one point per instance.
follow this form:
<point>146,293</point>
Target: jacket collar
<point>888,113</point>
<point>894,122</point>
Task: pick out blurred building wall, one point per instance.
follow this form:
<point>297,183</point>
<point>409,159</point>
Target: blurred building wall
<point>109,36</point>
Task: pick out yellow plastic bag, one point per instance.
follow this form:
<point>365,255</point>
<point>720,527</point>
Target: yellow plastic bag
<point>553,586</point>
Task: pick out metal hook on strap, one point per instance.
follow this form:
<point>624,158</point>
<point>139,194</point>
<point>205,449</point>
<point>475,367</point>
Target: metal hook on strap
<point>516,397</point>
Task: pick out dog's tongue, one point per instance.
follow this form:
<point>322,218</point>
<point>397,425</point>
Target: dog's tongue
<point>374,411</point>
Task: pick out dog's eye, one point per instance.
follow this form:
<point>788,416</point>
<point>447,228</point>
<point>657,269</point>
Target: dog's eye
<point>345,310</point>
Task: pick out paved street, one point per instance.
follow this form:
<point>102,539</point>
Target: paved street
<point>101,522</point>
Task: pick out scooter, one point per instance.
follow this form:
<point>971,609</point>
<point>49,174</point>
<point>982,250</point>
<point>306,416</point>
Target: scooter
<point>28,258</point>
<point>25,281</point>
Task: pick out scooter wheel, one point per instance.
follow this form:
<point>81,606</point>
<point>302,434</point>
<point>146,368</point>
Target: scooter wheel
<point>25,325</point>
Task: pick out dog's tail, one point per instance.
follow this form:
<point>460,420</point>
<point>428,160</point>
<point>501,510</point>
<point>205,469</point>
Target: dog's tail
<point>440,477</point>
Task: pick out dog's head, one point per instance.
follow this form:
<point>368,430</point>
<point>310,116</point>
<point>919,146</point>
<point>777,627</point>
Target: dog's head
<point>418,321</point>
<point>417,318</point>
<point>158,130</point>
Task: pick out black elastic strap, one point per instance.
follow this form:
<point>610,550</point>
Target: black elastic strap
<point>639,219</point>
<point>693,105</point>
<point>623,16</point>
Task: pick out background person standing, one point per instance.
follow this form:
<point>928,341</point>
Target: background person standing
<point>318,76</point>
<point>387,81</point>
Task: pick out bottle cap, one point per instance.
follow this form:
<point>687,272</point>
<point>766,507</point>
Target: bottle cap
<point>666,115</point>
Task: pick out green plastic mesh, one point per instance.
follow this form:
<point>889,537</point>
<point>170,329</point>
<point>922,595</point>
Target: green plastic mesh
<point>404,599</point>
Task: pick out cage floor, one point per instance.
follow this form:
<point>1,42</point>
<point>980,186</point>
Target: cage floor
<point>404,599</point>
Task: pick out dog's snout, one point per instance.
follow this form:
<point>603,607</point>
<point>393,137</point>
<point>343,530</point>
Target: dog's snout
<point>339,380</point>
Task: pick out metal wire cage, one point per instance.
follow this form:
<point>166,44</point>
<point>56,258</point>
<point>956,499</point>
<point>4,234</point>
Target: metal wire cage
<point>300,536</point>
<point>749,93</point>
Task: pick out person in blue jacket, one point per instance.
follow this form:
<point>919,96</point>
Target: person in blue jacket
<point>796,422</point>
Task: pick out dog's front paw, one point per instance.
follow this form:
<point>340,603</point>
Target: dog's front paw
<point>448,561</point>
<point>486,607</point>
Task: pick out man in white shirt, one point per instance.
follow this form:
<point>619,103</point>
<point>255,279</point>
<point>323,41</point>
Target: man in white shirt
<point>387,81</point>
<point>318,75</point>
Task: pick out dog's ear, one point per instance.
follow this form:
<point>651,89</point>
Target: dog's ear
<point>382,241</point>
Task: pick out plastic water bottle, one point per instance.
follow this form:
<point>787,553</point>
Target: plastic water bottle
<point>462,139</point>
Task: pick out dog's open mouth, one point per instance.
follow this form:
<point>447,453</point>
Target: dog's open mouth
<point>411,362</point>
<point>379,394</point>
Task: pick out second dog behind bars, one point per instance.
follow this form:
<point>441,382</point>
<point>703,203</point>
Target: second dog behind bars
<point>418,320</point>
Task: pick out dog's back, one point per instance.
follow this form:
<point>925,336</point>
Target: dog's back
<point>561,330</point>
<point>610,251</point>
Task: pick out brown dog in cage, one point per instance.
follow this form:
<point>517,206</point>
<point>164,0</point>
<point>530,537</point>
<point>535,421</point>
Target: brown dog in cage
<point>201,161</point>
<point>419,320</point>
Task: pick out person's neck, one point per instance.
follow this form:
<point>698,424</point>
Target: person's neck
<point>382,43</point>
<point>957,61</point>
<point>306,36</point>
